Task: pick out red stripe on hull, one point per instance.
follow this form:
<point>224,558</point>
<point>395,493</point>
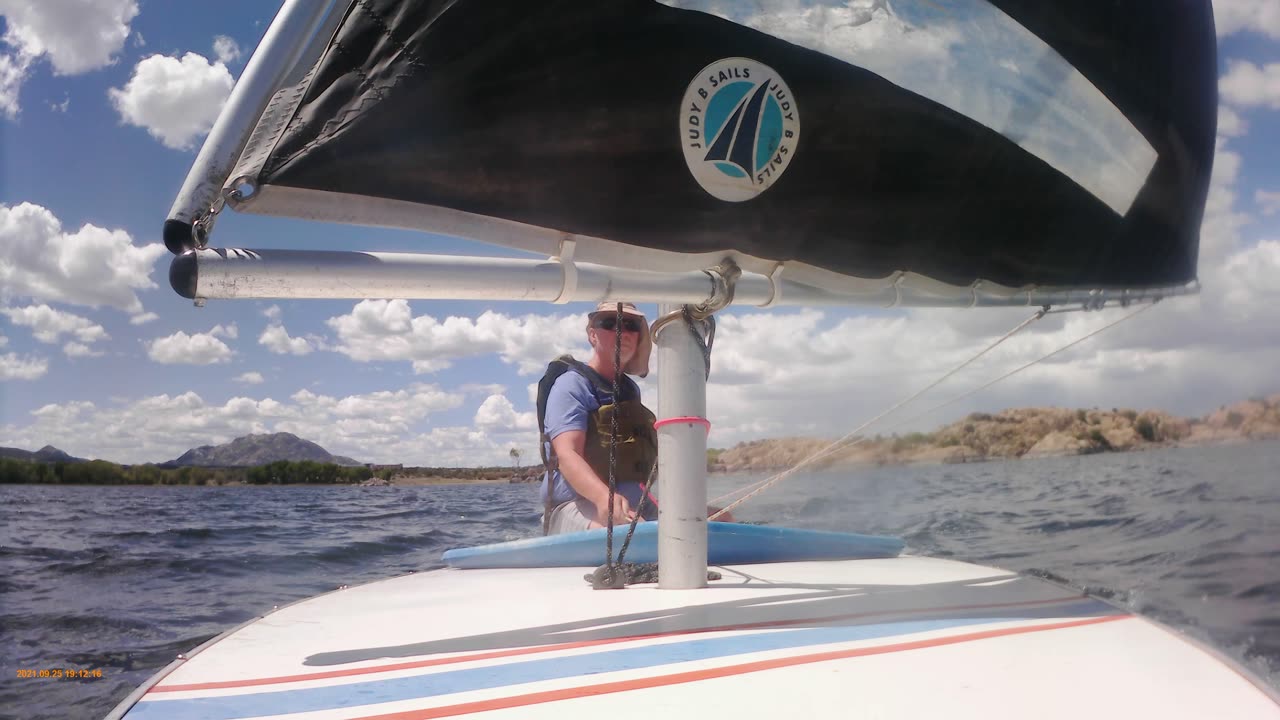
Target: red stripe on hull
<point>515,652</point>
<point>696,675</point>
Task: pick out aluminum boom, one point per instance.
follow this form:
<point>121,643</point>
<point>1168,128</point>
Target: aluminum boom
<point>322,274</point>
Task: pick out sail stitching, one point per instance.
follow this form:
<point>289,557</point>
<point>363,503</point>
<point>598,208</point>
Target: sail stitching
<point>365,81</point>
<point>382,25</point>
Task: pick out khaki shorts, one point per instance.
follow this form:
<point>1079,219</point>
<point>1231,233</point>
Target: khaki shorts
<point>571,517</point>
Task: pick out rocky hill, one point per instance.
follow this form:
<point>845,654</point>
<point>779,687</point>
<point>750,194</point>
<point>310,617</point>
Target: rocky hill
<point>1021,433</point>
<point>252,450</point>
<point>46,454</point>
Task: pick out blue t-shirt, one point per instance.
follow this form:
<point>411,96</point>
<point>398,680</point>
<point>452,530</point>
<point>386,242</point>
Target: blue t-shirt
<point>572,400</point>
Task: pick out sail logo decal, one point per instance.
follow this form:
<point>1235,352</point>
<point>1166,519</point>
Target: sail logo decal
<point>740,125</point>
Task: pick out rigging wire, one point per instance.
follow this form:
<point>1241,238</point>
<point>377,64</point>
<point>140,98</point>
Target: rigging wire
<point>759,487</point>
<point>838,444</point>
<point>1069,345</point>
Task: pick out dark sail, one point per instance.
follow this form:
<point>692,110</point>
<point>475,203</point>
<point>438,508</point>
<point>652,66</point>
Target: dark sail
<point>568,115</point>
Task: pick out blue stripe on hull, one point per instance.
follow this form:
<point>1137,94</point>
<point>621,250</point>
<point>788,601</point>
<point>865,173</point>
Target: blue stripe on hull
<point>558,668</point>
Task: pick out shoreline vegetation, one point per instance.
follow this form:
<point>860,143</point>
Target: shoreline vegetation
<point>980,437</point>
<point>281,472</point>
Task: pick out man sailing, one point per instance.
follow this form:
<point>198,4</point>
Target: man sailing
<point>576,408</point>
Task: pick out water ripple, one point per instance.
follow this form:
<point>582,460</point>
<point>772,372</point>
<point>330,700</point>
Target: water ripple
<point>124,579</point>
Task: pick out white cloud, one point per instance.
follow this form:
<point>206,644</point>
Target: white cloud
<point>276,339</point>
<point>226,49</point>
<point>486,388</point>
<point>13,70</point>
<point>497,414</point>
<point>92,266</point>
<point>1254,275</point>
<point>272,312</point>
<point>1261,16</point>
<point>175,100</point>
<point>1222,221</point>
<point>197,349</point>
<point>1230,124</point>
<point>249,378</point>
<point>1249,85</point>
<point>3,341</point>
<point>386,330</point>
<point>143,318</point>
<point>373,427</point>
<point>48,324</point>
<point>61,107</point>
<point>1268,201</point>
<point>13,367</point>
<point>75,349</point>
<point>76,35</point>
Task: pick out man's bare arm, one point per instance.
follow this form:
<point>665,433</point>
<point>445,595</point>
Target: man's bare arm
<point>570,449</point>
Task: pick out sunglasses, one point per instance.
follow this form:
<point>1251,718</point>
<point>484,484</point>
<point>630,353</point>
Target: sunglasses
<point>609,323</point>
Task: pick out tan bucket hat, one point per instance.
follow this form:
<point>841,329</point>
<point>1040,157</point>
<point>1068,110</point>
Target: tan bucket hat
<point>639,364</point>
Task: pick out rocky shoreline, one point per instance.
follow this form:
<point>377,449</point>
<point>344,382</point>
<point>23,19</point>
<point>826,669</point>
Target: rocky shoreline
<point>1010,434</point>
<point>1019,433</point>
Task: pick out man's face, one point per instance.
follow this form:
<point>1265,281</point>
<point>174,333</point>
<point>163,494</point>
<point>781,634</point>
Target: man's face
<point>603,331</point>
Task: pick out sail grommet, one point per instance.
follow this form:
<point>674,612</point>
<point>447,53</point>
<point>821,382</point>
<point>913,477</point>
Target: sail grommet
<point>241,190</point>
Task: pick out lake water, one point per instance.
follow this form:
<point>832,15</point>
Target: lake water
<point>122,579</point>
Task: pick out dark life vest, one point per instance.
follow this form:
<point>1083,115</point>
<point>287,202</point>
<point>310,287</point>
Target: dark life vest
<point>637,447</point>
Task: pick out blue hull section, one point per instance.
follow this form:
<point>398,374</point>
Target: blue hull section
<point>727,544</point>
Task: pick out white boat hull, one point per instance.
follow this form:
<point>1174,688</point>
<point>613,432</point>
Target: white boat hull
<point>887,638</point>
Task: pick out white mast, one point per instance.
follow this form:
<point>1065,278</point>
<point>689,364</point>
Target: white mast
<point>682,457</point>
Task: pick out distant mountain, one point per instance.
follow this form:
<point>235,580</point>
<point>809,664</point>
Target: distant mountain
<point>252,450</point>
<point>46,454</point>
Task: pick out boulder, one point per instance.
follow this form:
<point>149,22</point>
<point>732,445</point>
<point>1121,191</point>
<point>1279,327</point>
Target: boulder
<point>1056,444</point>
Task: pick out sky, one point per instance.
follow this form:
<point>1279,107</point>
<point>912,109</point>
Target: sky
<point>104,104</point>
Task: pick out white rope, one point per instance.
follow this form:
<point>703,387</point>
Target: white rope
<point>839,443</point>
<point>762,485</point>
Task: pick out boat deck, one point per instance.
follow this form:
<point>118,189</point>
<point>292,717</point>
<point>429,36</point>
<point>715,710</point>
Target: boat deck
<point>899,637</point>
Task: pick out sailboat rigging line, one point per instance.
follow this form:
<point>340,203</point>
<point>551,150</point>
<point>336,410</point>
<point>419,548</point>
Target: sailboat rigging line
<point>961,396</point>
<point>635,519</point>
<point>964,395</point>
<point>612,578</point>
<point>691,320</point>
<point>838,444</point>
